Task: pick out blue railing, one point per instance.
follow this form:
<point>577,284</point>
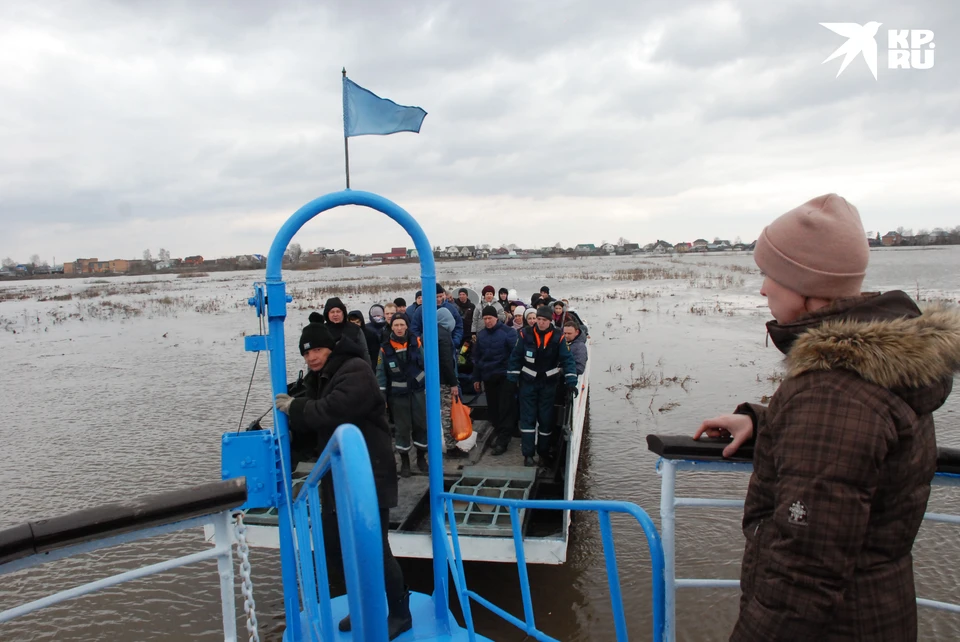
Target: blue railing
<point>669,502</point>
<point>604,509</point>
<point>358,519</point>
<point>270,301</point>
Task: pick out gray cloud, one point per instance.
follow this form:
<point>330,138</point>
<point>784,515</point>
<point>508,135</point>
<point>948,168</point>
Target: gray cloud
<point>200,126</point>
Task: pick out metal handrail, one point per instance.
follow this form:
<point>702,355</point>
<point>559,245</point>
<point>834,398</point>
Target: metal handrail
<point>223,552</point>
<point>604,509</point>
<point>358,519</point>
<point>668,467</point>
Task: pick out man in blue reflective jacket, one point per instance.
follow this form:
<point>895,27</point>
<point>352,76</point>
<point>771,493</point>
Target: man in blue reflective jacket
<point>540,361</point>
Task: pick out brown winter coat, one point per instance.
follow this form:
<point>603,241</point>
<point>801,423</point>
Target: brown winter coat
<point>843,460</point>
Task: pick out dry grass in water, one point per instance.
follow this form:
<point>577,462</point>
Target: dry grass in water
<point>640,378</point>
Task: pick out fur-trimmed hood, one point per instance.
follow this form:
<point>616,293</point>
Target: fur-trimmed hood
<point>884,338</point>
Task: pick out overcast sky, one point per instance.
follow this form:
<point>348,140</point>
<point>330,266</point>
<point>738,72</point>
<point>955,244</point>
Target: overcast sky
<point>200,126</point>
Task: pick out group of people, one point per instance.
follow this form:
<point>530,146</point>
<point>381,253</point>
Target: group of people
<point>363,373</point>
<point>843,454</point>
<point>518,355</point>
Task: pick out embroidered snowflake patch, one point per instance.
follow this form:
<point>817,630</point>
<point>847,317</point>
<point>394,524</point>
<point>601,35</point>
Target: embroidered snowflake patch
<point>798,513</point>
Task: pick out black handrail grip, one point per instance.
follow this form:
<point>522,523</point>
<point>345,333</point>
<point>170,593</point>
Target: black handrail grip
<point>706,449</point>
<point>948,460</point>
<point>16,542</point>
<point>45,535</point>
<point>703,449</point>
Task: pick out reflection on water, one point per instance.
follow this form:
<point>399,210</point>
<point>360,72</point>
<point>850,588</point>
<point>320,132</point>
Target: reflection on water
<point>124,388</point>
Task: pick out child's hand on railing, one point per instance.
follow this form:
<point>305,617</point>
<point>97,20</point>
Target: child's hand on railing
<point>740,427</point>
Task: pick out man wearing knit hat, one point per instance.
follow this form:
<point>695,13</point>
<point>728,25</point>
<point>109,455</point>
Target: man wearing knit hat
<point>466,307</point>
<point>341,388</point>
<point>488,297</point>
<point>845,452</point>
<point>401,378</point>
<point>335,318</point>
<point>492,354</point>
<point>416,319</point>
<point>540,362</point>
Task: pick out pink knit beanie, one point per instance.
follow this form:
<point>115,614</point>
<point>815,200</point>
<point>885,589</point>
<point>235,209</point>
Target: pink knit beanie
<point>818,249</point>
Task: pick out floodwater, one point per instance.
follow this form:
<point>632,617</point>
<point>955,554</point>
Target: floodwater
<point>124,387</point>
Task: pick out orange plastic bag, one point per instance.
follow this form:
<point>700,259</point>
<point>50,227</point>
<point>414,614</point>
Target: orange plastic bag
<point>460,417</point>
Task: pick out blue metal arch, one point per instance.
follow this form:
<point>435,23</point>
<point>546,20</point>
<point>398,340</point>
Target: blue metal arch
<point>276,314</point>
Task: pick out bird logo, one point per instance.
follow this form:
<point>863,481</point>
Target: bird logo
<point>860,39</point>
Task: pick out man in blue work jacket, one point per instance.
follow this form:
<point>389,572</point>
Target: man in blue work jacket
<point>540,362</point>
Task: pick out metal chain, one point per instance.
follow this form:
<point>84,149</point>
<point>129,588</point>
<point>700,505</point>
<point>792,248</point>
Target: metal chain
<point>246,583</point>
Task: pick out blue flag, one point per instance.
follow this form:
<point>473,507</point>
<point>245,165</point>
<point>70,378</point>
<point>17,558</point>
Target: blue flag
<point>365,113</point>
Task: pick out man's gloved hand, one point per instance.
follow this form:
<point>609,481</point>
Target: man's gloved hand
<point>283,403</point>
<point>573,390</point>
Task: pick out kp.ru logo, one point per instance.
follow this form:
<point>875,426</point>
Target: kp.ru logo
<point>906,48</point>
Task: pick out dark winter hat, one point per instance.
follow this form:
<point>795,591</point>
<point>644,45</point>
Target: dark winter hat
<point>400,302</point>
<point>440,289</point>
<point>503,291</point>
<point>315,317</point>
<point>545,289</point>
<point>355,314</point>
<point>400,316</point>
<point>333,302</point>
<point>487,288</point>
<point>463,291</point>
<point>418,295</point>
<point>490,311</point>
<point>315,335</point>
<point>545,313</point>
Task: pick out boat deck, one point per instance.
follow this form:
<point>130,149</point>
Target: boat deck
<point>412,514</point>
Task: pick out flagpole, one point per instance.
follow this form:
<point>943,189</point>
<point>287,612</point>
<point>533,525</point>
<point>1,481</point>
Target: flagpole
<point>346,147</point>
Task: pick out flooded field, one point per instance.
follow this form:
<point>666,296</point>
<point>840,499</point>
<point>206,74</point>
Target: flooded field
<point>122,386</point>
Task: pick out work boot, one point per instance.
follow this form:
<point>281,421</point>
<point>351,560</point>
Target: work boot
<point>399,618</point>
<point>529,461</point>
<point>422,460</point>
<point>404,465</point>
<point>344,624</point>
<point>498,450</point>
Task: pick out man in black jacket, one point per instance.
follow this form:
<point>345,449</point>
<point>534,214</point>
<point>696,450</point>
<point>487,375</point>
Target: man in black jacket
<point>466,307</point>
<point>342,388</point>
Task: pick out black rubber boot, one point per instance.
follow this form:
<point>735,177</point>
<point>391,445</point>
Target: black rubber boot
<point>529,461</point>
<point>399,618</point>
<point>422,460</point>
<point>405,465</point>
<point>344,624</point>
